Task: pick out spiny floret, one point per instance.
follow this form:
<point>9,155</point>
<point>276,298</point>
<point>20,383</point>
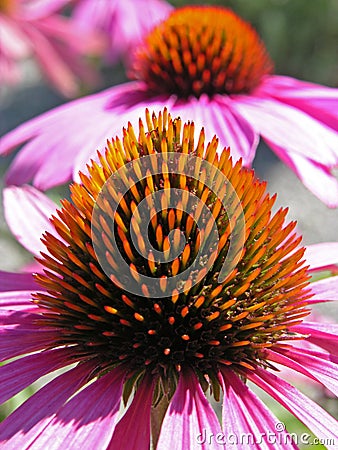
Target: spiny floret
<point>203,325</point>
<point>202,50</point>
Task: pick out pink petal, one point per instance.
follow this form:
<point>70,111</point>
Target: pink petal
<point>323,256</point>
<point>126,103</point>
<point>218,118</point>
<point>189,415</point>
<point>121,21</point>
<point>88,420</point>
<point>312,415</point>
<point>17,282</point>
<point>290,129</point>
<point>133,430</point>
<point>315,365</point>
<point>19,334</point>
<point>62,141</point>
<point>14,43</point>
<point>320,102</point>
<point>247,419</point>
<point>50,61</point>
<point>40,8</point>
<point>315,176</point>
<point>326,289</point>
<point>324,335</point>
<point>26,423</point>
<point>17,300</point>
<point>20,203</point>
<point>19,374</point>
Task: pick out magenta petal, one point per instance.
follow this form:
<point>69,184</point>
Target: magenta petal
<point>19,374</point>
<point>316,365</point>
<point>133,430</point>
<point>27,422</point>
<point>323,256</point>
<point>88,420</point>
<point>10,281</point>
<point>219,118</point>
<point>307,411</point>
<point>320,102</point>
<point>19,334</point>
<point>326,289</point>
<point>125,103</point>
<point>323,335</point>
<point>17,300</point>
<point>315,176</point>
<point>188,417</point>
<point>247,420</point>
<point>23,202</point>
<point>290,129</point>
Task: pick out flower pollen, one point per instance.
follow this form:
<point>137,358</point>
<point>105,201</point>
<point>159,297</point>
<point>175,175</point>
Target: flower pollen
<point>202,50</point>
<point>205,324</point>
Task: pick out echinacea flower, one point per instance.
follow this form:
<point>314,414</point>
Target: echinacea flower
<point>124,22</point>
<point>205,64</point>
<point>33,28</point>
<point>169,348</point>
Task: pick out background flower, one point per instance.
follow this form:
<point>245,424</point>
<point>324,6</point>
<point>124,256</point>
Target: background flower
<point>215,82</point>
<point>34,28</point>
<point>69,313</point>
<point>124,22</point>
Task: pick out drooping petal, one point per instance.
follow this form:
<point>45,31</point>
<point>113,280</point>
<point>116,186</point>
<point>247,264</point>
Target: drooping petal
<point>324,335</point>
<point>325,289</point>
<point>306,410</point>
<point>246,419</point>
<point>125,104</point>
<point>25,202</point>
<point>188,418</point>
<point>323,256</point>
<point>62,141</point>
<point>290,129</point>
<point>50,61</point>
<point>26,423</point>
<point>10,281</point>
<point>88,420</point>
<point>320,102</point>
<point>219,119</point>
<point>133,430</point>
<point>19,374</point>
<point>45,138</point>
<point>320,366</point>
<point>315,176</point>
<point>17,301</point>
<point>19,334</point>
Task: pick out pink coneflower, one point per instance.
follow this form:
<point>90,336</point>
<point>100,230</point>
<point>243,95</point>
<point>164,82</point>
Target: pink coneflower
<point>161,352</point>
<point>124,22</point>
<point>205,64</point>
<point>33,28</point>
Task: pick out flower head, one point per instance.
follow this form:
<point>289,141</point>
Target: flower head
<point>186,56</point>
<point>36,29</point>
<point>226,84</point>
<point>187,326</point>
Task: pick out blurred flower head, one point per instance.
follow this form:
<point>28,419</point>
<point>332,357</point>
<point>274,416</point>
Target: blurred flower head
<point>35,28</point>
<point>205,64</point>
<point>123,22</point>
<point>189,327</point>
